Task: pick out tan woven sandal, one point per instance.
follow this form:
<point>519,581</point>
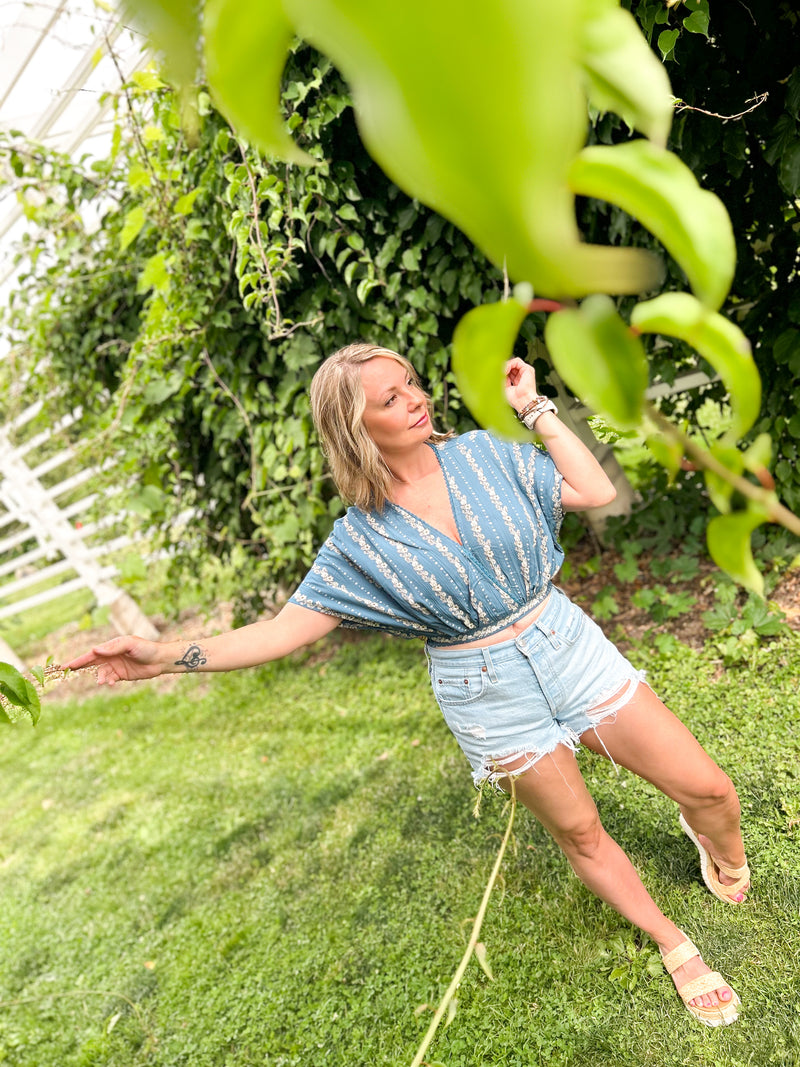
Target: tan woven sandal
<point>709,868</point>
<point>721,1014</point>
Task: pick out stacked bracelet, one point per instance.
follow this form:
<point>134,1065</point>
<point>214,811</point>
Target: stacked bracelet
<point>531,412</point>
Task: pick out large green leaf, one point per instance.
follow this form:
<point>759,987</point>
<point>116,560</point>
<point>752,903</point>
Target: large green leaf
<point>457,103</point>
<point>720,489</point>
<point>245,48</point>
<point>482,343</point>
<point>729,544</point>
<point>620,77</point>
<point>717,340</point>
<point>19,692</point>
<point>660,191</point>
<point>174,29</point>
<point>600,359</point>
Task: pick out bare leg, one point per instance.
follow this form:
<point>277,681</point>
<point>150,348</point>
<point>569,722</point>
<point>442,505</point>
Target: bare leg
<point>554,790</point>
<point>649,740</point>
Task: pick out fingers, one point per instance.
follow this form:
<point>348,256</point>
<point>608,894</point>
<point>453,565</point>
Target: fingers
<point>117,646</point>
<point>86,660</point>
<point>106,675</point>
<point>520,379</point>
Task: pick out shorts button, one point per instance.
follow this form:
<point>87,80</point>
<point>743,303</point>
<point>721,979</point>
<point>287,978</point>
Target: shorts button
<point>484,669</point>
<point>466,681</point>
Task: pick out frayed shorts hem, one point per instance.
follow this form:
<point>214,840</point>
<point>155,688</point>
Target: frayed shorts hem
<point>514,702</point>
<point>492,770</point>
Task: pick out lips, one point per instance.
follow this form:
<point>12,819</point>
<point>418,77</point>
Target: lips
<point>419,422</point>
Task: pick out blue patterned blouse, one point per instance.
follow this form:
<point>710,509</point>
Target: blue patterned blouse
<point>392,571</point>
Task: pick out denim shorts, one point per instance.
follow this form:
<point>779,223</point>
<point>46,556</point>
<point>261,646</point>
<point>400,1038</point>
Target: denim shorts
<point>523,697</point>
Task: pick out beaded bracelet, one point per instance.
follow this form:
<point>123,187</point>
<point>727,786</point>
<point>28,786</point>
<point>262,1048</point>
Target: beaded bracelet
<point>531,412</point>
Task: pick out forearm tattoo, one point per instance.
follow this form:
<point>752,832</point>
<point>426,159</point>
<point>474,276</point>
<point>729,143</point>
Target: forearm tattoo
<point>192,658</point>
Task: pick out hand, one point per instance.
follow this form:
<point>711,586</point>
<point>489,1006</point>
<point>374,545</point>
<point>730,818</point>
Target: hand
<point>124,659</point>
<point>520,383</point>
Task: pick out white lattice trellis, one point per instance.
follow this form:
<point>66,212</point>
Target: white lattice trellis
<point>56,544</point>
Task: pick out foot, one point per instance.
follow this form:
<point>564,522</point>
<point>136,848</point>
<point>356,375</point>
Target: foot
<point>718,873</point>
<point>722,878</point>
<point>696,968</point>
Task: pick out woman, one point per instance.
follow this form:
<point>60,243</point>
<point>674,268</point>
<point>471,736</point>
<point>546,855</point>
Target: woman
<point>454,539</point>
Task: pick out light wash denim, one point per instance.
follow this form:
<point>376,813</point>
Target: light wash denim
<point>521,698</point>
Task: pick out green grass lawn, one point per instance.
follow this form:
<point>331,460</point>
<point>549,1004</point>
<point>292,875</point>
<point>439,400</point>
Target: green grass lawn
<point>279,867</point>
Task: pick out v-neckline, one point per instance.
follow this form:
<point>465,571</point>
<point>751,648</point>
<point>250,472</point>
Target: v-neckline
<point>453,513</point>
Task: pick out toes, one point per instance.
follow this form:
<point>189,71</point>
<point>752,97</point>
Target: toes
<point>713,1000</point>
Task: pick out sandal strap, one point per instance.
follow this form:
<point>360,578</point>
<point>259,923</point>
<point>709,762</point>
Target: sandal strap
<point>679,955</point>
<point>741,873</point>
<point>706,983</point>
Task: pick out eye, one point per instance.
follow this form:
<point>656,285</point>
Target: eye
<point>391,400</point>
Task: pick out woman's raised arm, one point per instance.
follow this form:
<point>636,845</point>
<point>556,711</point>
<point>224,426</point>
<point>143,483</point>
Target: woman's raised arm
<point>586,484</point>
<point>128,659</point>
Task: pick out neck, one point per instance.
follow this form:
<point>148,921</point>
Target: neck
<point>410,467</point>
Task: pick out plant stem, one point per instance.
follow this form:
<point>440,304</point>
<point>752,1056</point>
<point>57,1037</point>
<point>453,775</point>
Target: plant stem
<point>767,499</point>
<point>473,939</point>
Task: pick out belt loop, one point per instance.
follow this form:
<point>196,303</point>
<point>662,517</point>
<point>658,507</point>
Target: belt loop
<point>487,662</point>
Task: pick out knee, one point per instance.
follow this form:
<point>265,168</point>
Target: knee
<point>716,789</point>
<point>582,839</point>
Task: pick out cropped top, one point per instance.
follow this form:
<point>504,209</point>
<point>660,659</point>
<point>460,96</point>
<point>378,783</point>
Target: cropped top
<point>392,571</point>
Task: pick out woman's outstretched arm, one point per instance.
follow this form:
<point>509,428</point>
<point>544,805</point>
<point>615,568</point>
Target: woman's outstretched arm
<point>128,659</point>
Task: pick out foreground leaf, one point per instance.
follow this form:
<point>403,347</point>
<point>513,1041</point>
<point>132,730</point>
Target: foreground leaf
<point>717,340</point>
<point>245,49</point>
<point>455,102</point>
<point>482,343</point>
<point>659,190</point>
<point>728,539</point>
<point>600,360</point>
<point>19,692</point>
<point>174,28</point>
<point>621,78</point>
<point>720,489</point>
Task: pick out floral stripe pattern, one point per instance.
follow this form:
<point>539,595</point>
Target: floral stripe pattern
<point>392,571</point>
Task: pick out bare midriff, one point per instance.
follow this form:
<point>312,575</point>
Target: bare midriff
<point>507,634</point>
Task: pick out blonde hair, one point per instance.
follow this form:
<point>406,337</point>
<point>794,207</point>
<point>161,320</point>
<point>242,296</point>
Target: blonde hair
<point>337,407</point>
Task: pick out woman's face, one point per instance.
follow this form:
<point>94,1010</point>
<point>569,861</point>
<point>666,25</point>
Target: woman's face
<point>396,414</point>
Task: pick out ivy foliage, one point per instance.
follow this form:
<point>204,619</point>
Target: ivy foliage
<point>184,293</point>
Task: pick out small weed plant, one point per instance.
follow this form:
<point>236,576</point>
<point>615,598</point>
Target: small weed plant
<point>739,628</point>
